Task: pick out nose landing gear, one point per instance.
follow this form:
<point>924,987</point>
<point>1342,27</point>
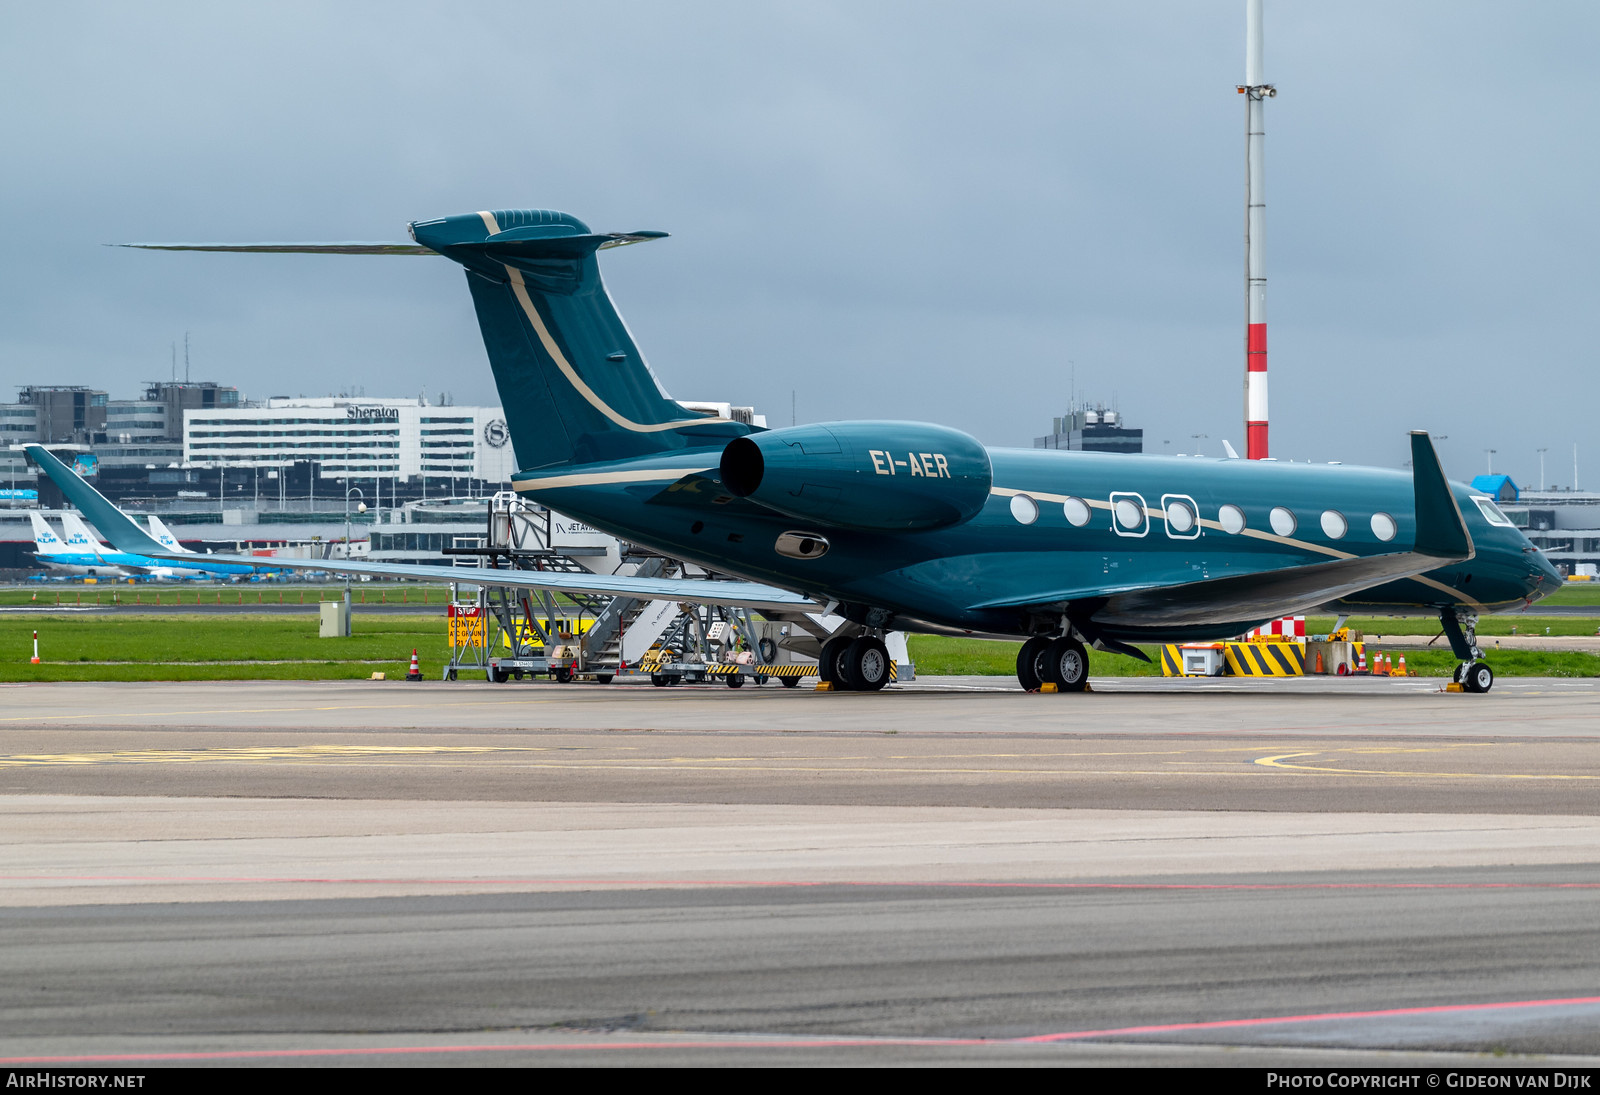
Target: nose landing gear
<point>1461,628</point>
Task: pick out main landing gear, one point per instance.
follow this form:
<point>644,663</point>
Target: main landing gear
<point>1461,628</point>
<point>859,664</point>
<point>1062,662</point>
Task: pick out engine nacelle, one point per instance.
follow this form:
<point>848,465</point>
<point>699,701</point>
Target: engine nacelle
<point>866,475</point>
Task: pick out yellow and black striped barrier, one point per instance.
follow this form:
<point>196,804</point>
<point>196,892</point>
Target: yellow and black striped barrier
<point>1265,659</point>
<point>774,672</point>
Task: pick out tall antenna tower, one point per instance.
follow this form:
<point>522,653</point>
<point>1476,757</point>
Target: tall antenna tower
<point>1256,92</point>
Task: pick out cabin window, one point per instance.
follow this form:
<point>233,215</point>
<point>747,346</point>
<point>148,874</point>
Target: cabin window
<point>1334,526</point>
<point>1024,509</point>
<point>1231,518</point>
<point>1128,515</point>
<point>1283,521</point>
<point>1383,526</point>
<point>1076,511</point>
<point>1183,517</point>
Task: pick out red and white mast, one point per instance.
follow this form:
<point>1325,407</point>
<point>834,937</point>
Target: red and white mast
<point>1255,92</point>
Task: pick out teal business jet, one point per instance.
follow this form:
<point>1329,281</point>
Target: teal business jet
<point>918,527</point>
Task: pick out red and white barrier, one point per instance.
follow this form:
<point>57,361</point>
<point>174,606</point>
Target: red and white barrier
<point>1284,629</point>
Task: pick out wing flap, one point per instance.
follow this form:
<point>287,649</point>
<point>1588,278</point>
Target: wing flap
<point>129,537</point>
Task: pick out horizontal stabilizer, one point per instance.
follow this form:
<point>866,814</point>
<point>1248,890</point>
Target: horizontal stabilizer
<point>290,248</point>
<point>598,242</point>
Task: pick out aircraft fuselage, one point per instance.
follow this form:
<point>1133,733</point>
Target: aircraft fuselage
<point>1056,527</point>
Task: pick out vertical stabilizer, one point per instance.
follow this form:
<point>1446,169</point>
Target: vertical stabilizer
<point>163,536</point>
<point>45,541</point>
<point>574,385</point>
<point>78,537</point>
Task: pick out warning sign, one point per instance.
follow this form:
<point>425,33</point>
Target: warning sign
<point>466,625</point>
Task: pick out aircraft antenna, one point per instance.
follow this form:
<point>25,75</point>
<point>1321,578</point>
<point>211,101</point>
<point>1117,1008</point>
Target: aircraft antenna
<point>1256,92</point>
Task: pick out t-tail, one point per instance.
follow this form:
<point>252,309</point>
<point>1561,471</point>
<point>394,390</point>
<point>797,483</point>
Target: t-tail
<point>575,388</point>
<point>574,385</point>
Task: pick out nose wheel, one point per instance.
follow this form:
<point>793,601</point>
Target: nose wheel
<point>1461,628</point>
<point>1475,676</point>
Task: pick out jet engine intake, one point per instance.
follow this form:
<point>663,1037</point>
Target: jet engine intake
<point>864,475</point>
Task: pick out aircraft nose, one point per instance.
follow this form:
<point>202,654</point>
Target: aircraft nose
<point>1550,579</point>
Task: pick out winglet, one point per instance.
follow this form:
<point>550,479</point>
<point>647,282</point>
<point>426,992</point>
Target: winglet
<point>1441,530</point>
<point>116,525</point>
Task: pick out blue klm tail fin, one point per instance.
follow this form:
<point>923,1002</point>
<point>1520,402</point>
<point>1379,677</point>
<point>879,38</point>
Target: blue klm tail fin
<point>574,386</point>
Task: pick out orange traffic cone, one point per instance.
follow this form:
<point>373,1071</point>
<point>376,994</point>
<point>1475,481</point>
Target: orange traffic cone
<point>1402,665</point>
<point>415,672</point>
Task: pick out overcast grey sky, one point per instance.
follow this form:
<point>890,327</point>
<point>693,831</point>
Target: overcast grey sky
<point>911,210</point>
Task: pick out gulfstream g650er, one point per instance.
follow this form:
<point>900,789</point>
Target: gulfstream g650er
<point>919,527</point>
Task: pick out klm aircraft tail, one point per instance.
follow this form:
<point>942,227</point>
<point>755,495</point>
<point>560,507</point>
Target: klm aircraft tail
<point>574,386</point>
<point>163,536</point>
<point>45,541</point>
<point>78,536</point>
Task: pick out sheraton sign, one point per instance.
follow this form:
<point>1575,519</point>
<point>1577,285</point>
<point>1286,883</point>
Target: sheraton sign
<point>372,414</point>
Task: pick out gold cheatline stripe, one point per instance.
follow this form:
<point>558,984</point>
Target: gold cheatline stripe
<point>589,479</point>
<point>521,290</point>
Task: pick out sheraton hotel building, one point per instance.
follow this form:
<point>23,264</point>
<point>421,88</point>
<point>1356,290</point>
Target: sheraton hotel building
<point>193,440</point>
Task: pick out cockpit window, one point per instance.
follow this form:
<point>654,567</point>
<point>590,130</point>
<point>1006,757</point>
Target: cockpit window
<point>1491,512</point>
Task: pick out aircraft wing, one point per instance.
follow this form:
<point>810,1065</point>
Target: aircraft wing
<point>1441,539</point>
<point>126,536</point>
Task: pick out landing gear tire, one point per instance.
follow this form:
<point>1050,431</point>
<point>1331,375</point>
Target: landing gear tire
<point>1028,659</point>
<point>1456,676</point>
<point>828,663</point>
<point>1066,665</point>
<point>1477,677</point>
<point>869,664</point>
<point>790,682</point>
<point>735,680</point>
